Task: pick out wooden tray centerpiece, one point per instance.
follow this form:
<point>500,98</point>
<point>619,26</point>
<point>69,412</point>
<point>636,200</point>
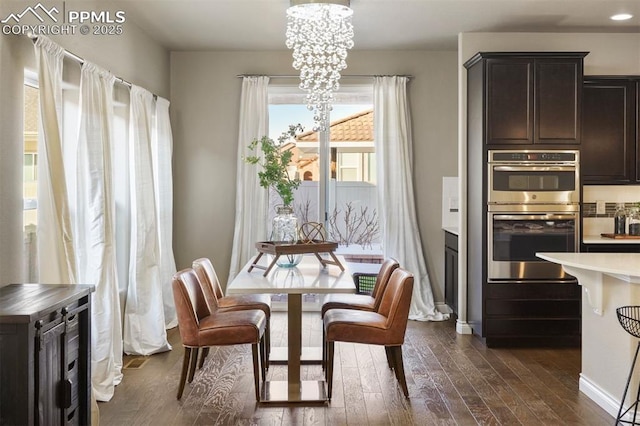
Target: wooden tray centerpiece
<point>301,247</point>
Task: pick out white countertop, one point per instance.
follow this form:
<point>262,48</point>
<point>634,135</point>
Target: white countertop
<point>594,270</point>
<point>627,264</point>
<point>451,229</point>
<point>598,239</point>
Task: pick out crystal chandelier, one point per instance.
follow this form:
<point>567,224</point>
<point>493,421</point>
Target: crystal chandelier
<point>320,33</point>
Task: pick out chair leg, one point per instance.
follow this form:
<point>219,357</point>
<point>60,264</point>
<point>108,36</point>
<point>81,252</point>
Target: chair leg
<point>387,350</point>
<point>329,370</point>
<point>193,363</point>
<point>185,368</point>
<point>205,352</point>
<point>324,353</point>
<point>396,352</point>
<point>267,342</point>
<point>256,370</point>
<point>263,357</point>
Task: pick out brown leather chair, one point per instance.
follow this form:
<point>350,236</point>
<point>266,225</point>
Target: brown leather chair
<point>201,327</point>
<point>215,297</point>
<point>385,327</point>
<point>362,302</point>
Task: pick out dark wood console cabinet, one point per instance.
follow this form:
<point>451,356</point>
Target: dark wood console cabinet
<point>45,355</point>
<point>611,130</point>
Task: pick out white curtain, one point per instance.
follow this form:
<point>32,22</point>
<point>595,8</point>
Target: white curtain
<point>144,322</point>
<point>396,203</point>
<point>55,237</point>
<point>251,198</point>
<point>94,226</point>
<point>162,148</point>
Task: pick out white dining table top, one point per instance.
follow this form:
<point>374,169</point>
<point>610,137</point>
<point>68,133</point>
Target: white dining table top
<point>308,277</point>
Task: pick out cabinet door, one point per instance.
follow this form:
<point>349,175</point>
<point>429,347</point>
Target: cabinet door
<point>558,89</point>
<point>49,372</point>
<point>450,277</point>
<point>608,139</point>
<point>451,271</point>
<point>637,128</point>
<point>509,101</point>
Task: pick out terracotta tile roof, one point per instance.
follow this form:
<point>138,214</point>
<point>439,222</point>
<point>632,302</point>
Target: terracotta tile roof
<point>355,128</point>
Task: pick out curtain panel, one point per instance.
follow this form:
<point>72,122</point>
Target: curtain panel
<point>394,161</point>
<point>94,226</point>
<point>144,322</point>
<point>251,198</point>
<point>162,151</point>
<point>56,253</point>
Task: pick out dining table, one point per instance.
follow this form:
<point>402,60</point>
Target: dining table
<point>310,276</point>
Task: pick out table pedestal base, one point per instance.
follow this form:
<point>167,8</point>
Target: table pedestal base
<point>310,355</point>
<point>283,392</point>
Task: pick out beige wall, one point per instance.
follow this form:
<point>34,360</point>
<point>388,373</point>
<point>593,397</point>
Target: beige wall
<point>205,94</point>
<point>133,56</point>
<point>609,54</point>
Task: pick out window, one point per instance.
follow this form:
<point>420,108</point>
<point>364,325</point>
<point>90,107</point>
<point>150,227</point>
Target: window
<point>337,167</point>
<point>30,178</point>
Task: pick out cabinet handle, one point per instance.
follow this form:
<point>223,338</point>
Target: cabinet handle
<point>67,389</point>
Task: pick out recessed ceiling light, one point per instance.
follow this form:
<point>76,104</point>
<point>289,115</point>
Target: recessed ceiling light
<point>621,17</point>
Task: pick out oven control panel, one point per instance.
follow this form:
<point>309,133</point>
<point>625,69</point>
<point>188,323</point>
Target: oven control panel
<point>533,156</point>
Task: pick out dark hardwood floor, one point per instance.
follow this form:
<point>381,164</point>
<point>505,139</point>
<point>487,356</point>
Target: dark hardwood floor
<point>453,380</point>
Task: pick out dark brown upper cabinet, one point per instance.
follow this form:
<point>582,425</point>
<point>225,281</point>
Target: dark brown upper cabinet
<point>610,130</point>
<point>531,97</point>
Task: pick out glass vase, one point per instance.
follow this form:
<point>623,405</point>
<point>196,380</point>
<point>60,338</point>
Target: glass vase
<point>634,221</point>
<point>284,230</point>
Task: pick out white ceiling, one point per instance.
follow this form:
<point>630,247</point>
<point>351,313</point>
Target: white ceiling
<point>378,24</point>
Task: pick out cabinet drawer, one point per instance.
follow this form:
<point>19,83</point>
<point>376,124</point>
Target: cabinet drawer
<point>523,328</point>
<point>534,291</point>
<point>549,309</point>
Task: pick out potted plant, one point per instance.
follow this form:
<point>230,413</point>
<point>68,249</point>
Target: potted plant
<point>274,163</point>
<point>275,174</point>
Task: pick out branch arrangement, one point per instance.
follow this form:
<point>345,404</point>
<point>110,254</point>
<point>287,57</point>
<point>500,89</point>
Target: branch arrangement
<point>353,227</point>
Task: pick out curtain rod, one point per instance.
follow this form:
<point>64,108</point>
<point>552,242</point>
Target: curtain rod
<point>81,61</point>
<point>342,76</point>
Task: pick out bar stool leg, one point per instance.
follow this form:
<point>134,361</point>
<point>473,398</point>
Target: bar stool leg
<point>624,395</point>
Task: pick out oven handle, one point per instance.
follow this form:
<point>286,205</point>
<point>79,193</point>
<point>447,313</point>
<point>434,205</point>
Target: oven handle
<point>534,168</point>
<point>543,216</point>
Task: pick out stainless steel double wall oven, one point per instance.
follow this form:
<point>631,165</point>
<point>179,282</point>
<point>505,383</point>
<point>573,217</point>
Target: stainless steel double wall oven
<point>533,206</point>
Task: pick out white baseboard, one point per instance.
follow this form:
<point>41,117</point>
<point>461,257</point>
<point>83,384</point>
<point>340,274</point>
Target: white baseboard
<point>604,399</point>
<point>463,327</point>
<point>443,308</point>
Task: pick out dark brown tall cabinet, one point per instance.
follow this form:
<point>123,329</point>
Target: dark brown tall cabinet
<point>45,340</point>
<point>518,100</point>
<point>611,130</point>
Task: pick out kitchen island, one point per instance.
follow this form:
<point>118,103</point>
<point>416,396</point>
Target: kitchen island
<point>609,281</point>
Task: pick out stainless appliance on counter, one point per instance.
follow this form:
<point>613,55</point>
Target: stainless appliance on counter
<point>533,206</point>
